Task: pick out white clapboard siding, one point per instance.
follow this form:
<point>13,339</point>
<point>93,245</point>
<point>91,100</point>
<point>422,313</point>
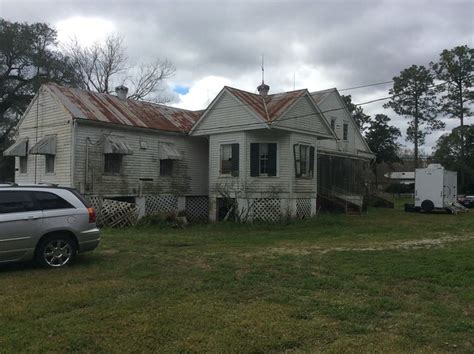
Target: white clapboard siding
<point>190,175</point>
<point>52,119</point>
<point>266,186</point>
<point>282,185</point>
<point>303,116</point>
<point>227,114</point>
<point>354,142</point>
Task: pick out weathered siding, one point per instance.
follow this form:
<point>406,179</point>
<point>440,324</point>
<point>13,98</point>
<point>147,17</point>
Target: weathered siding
<point>52,119</point>
<point>304,117</point>
<point>190,174</point>
<point>354,144</point>
<point>227,114</point>
<point>281,185</point>
<point>268,186</point>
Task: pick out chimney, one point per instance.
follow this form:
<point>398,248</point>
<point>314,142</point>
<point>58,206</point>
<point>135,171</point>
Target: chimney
<point>121,92</point>
<point>263,89</point>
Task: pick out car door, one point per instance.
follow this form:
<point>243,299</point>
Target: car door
<point>20,224</point>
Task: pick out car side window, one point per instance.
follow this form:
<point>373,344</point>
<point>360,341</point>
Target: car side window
<point>50,201</point>
<point>16,202</point>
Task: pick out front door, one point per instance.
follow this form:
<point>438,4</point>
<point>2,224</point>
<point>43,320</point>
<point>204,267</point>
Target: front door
<point>20,222</point>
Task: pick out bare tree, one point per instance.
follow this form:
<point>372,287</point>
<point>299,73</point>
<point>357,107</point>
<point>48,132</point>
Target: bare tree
<point>105,65</point>
<point>149,80</point>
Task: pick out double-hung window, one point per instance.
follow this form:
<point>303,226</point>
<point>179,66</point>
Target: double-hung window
<point>345,131</point>
<point>169,156</point>
<point>263,159</point>
<point>304,160</point>
<point>115,147</point>
<point>23,164</point>
<point>229,161</point>
<point>113,164</point>
<point>49,163</point>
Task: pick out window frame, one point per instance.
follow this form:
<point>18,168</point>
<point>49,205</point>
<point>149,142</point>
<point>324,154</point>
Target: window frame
<point>310,149</point>
<point>277,159</point>
<point>23,165</point>
<point>170,167</point>
<point>263,159</point>
<point>333,124</point>
<point>234,160</point>
<point>116,172</point>
<point>48,157</point>
<point>345,131</point>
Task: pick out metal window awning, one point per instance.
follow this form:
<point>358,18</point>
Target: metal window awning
<point>46,146</point>
<point>19,148</point>
<point>168,151</point>
<point>116,145</point>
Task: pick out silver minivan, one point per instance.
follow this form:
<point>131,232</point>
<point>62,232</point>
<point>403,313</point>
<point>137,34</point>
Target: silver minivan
<point>46,223</point>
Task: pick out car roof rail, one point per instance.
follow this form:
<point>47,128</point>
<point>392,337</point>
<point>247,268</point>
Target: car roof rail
<point>48,184</point>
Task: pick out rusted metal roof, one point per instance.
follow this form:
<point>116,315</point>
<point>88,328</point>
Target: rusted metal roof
<point>271,107</point>
<point>108,108</point>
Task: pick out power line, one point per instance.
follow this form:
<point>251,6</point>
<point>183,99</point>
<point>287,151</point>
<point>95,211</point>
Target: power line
<point>368,85</point>
<point>285,98</point>
<point>310,114</point>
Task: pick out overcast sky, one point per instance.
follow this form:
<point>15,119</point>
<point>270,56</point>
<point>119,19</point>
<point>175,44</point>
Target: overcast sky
<point>306,44</point>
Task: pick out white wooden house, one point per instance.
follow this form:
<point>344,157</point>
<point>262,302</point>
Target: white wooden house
<point>260,151</point>
<point>112,147</point>
<point>271,141</point>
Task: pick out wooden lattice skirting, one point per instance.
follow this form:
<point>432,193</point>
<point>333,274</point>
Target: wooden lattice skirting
<point>112,213</point>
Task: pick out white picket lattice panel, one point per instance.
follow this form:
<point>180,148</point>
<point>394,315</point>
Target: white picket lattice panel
<point>161,203</point>
<point>197,209</point>
<point>303,208</point>
<point>118,214</point>
<point>113,213</point>
<point>267,209</point>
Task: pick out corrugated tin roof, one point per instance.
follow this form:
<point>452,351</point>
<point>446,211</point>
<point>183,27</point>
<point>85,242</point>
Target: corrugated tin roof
<point>111,109</point>
<point>276,104</point>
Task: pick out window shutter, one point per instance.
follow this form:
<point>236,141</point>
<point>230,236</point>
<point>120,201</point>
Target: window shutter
<point>297,157</point>
<point>235,160</point>
<point>272,159</point>
<point>254,159</point>
<point>311,161</point>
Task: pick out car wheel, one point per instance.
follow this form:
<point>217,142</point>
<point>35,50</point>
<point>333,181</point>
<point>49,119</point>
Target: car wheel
<point>56,251</point>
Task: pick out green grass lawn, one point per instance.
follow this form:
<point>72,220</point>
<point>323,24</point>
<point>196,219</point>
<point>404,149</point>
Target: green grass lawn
<point>387,281</point>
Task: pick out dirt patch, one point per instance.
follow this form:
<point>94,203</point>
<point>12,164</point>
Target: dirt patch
<point>381,246</point>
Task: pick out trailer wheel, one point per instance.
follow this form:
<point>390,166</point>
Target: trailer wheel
<point>427,205</point>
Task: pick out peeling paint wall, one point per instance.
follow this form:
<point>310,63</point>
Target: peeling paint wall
<point>140,173</point>
<point>52,119</point>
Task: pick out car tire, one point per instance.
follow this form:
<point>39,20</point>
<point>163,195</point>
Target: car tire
<point>56,251</point>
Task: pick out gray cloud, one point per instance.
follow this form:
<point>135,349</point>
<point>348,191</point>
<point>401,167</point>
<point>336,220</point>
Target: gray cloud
<point>347,43</point>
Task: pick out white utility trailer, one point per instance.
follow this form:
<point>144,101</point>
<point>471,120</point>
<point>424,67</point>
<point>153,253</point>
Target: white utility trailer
<point>436,189</point>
